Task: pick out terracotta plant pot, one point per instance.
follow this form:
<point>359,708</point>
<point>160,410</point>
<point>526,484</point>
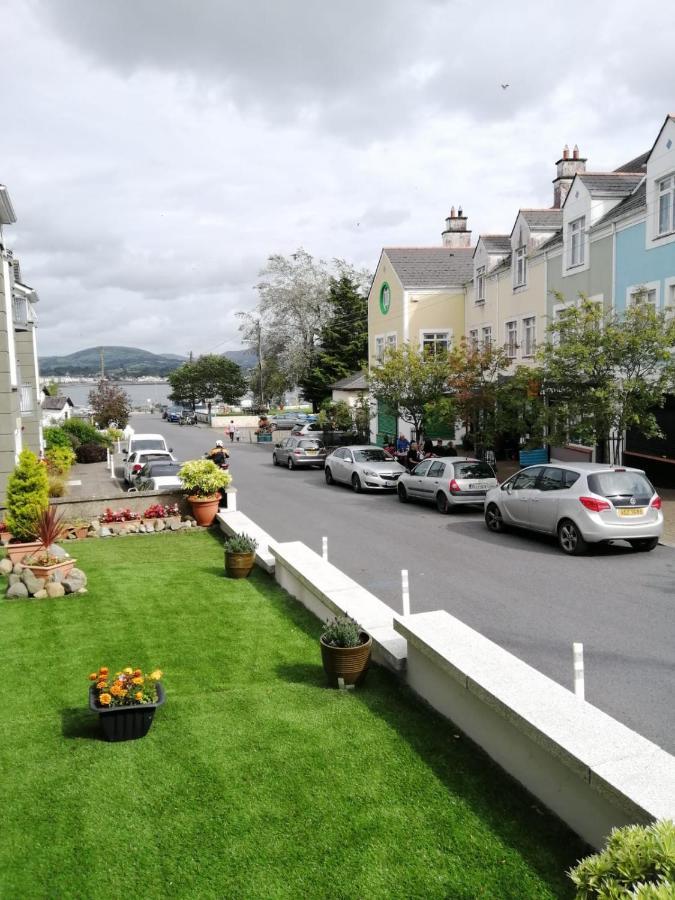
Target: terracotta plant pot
<point>126,723</point>
<point>5,537</point>
<point>239,565</point>
<point>63,567</point>
<point>17,552</point>
<point>204,509</point>
<point>81,531</point>
<point>349,663</point>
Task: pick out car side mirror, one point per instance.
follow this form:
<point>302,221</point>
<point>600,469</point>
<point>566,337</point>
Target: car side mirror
<point>170,449</point>
<point>278,445</point>
<point>507,487</point>
<point>125,452</point>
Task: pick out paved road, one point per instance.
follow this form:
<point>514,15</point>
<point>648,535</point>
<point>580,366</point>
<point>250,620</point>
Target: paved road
<point>517,589</point>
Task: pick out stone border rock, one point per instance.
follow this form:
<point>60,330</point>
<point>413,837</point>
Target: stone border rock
<point>23,584</point>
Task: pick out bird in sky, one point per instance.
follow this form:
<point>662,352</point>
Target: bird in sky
<point>504,86</point>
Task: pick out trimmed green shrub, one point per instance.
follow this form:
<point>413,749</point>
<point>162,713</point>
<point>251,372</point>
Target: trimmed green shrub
<point>91,452</point>
<point>55,436</point>
<point>85,433</point>
<point>57,486</point>
<point>27,496</point>
<point>59,460</point>
<point>638,862</point>
<point>203,478</point>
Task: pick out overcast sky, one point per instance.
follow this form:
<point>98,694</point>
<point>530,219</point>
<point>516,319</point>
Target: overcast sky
<point>158,151</point>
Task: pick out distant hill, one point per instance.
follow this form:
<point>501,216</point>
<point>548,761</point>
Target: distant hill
<point>125,362</point>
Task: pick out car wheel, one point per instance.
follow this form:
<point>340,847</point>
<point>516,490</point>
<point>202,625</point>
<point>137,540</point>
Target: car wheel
<point>328,475</point>
<point>570,539</point>
<point>442,504</point>
<point>274,459</point>
<point>356,483</point>
<point>493,518</point>
<point>402,493</point>
<point>291,464</point>
<point>644,545</point>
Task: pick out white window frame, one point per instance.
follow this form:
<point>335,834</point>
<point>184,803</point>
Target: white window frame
<point>391,340</point>
<point>442,333</point>
<point>473,338</point>
<point>480,284</point>
<point>576,235</point>
<point>647,288</point>
<point>380,344</point>
<point>486,339</point>
<point>665,189</point>
<point>669,297</point>
<point>529,351</point>
<point>520,261</point>
<point>510,347</point>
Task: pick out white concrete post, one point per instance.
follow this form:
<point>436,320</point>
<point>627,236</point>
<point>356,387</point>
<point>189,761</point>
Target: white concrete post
<point>405,592</point>
<point>324,548</point>
<point>579,687</point>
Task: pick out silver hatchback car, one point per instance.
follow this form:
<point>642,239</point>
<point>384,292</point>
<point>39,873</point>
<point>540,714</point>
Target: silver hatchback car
<point>299,452</point>
<point>448,483</point>
<point>581,503</point>
<point>364,467</point>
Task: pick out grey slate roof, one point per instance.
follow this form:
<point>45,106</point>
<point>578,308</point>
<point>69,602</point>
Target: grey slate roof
<point>496,243</point>
<point>431,267</point>
<point>56,402</point>
<point>611,183</point>
<point>355,382</point>
<point>639,164</point>
<point>542,219</point>
<point>633,203</point>
<point>552,242</point>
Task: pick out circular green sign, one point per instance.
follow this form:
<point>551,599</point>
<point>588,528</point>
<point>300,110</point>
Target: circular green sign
<point>385,298</point>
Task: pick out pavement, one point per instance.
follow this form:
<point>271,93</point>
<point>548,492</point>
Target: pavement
<point>92,480</point>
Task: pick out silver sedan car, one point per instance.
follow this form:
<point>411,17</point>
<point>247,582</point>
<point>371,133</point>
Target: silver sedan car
<point>581,503</point>
<point>364,467</point>
<point>448,483</point>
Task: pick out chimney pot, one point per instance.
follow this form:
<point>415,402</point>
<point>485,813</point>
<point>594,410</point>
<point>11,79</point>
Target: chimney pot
<point>459,212</point>
<point>566,152</point>
<point>575,152</point>
<point>452,212</point>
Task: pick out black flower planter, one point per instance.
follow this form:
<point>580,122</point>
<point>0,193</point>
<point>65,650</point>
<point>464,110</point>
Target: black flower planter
<point>125,723</point>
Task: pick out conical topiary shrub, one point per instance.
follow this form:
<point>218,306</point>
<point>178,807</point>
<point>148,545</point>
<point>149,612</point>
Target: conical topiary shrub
<point>27,496</point>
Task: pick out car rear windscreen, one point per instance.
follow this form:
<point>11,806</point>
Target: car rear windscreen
<point>620,484</point>
<point>149,445</point>
<point>473,470</point>
<point>312,445</point>
<point>161,469</point>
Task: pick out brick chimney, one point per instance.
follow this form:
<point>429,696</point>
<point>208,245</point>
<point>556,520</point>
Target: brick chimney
<point>456,234</point>
<point>567,168</point>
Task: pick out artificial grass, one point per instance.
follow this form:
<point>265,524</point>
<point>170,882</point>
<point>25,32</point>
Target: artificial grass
<point>255,780</point>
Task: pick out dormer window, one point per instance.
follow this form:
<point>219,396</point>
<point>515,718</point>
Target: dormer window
<point>576,241</point>
<point>480,284</point>
<point>520,266</point>
<point>667,205</point>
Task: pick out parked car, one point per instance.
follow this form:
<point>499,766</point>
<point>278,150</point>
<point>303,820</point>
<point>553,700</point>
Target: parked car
<point>306,426</point>
<point>138,458</point>
<point>173,414</point>
<point>147,442</point>
<point>364,467</point>
<point>159,475</point>
<point>448,483</point>
<point>581,503</point>
<point>299,451</point>
<point>287,420</point>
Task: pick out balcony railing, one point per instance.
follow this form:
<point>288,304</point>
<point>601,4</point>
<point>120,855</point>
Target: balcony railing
<point>27,398</point>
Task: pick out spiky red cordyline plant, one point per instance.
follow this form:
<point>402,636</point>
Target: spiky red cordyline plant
<point>49,527</point>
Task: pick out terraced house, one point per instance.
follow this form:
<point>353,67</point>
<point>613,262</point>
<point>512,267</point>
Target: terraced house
<point>20,413</point>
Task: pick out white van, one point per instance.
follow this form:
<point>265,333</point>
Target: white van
<point>147,442</point>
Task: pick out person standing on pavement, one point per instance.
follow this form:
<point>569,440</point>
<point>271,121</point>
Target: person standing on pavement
<point>231,428</point>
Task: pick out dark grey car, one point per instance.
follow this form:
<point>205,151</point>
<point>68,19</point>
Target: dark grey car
<point>298,451</point>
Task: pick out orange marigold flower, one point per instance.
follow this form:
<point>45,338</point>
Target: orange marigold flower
<point>128,671</point>
<point>137,681</point>
<point>156,675</point>
<point>105,699</point>
<point>137,672</point>
<point>116,689</point>
<point>103,670</point>
<point>101,685</point>
<point>138,695</point>
<point>93,676</point>
<point>123,693</point>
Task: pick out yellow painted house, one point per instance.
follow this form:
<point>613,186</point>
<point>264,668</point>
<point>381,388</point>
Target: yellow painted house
<point>417,297</point>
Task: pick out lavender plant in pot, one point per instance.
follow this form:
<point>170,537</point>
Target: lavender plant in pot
<point>345,651</point>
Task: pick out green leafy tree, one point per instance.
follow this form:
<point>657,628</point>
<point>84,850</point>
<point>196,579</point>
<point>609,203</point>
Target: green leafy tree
<point>605,372</point>
<point>110,403</point>
<point>342,345</point>
<point>521,408</point>
<point>27,496</point>
<point>408,380</point>
<point>55,436</point>
<point>208,378</point>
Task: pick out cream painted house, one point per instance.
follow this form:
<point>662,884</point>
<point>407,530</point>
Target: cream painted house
<point>418,297</point>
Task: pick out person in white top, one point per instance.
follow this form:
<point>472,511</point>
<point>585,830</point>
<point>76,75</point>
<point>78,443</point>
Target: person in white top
<point>231,430</point>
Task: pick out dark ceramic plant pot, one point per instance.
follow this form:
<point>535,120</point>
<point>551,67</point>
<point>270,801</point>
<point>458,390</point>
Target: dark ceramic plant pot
<point>125,723</point>
<point>239,565</point>
<point>204,509</point>
<point>349,663</point>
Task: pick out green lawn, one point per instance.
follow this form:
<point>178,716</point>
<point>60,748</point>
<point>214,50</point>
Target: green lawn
<point>255,780</point>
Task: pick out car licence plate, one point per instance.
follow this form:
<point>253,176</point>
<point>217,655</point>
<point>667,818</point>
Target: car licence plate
<point>310,452</point>
<point>625,511</point>
<point>477,487</point>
